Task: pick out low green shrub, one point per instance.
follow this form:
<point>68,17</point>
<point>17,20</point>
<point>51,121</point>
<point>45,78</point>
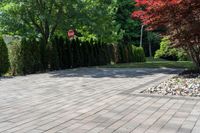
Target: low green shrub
<point>4,61</point>
<point>169,53</point>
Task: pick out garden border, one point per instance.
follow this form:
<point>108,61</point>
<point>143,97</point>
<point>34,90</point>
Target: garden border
<point>138,90</point>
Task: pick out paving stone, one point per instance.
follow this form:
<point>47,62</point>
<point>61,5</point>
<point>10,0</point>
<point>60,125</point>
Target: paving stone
<point>93,100</point>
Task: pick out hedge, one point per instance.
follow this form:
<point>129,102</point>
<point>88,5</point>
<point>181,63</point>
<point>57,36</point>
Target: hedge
<point>31,56</point>
<point>4,61</point>
<point>25,57</point>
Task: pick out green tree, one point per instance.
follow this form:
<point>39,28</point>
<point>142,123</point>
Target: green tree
<point>130,27</point>
<point>44,18</point>
<point>98,22</point>
<point>32,17</point>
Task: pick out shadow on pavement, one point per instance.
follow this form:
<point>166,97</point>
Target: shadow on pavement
<point>111,72</point>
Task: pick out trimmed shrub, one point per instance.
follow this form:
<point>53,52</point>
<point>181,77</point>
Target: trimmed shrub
<point>95,56</point>
<point>86,54</point>
<point>25,57</point>
<point>112,54</point>
<point>4,61</point>
<point>15,58</point>
<point>121,54</point>
<point>53,57</point>
<point>138,54</point>
<point>76,53</point>
<point>30,56</point>
<point>130,53</point>
<point>35,55</point>
<point>44,55</point>
<point>79,53</point>
<point>59,42</point>
<point>98,54</point>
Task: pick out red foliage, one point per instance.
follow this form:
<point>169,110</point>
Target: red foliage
<point>181,18</point>
<point>163,12</point>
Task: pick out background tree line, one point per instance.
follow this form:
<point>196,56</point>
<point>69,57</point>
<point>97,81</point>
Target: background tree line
<point>105,21</point>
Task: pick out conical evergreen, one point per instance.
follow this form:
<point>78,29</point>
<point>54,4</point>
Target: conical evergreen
<point>4,61</point>
<point>68,54</point>
<point>53,56</point>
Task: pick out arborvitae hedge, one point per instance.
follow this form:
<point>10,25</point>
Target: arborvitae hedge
<point>31,56</point>
<point>53,58</point>
<point>25,57</point>
<point>15,58</point>
<point>4,62</point>
<point>138,54</point>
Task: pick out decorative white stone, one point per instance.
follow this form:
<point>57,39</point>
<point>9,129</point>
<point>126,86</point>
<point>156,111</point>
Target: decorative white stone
<point>188,85</point>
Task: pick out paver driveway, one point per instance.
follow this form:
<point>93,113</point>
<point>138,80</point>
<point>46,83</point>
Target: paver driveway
<point>93,100</point>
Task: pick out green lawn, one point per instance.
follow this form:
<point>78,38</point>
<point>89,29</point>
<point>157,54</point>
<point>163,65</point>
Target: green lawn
<point>155,63</point>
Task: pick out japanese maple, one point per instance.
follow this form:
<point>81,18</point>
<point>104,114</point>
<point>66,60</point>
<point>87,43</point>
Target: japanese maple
<point>181,18</point>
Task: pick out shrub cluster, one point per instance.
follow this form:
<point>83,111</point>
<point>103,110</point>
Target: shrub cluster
<point>31,56</point>
<point>130,53</point>
<point>169,53</point>
<point>25,57</point>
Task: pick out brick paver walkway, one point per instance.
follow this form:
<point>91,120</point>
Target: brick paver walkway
<point>90,100</point>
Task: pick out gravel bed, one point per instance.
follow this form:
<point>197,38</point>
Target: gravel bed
<point>185,84</point>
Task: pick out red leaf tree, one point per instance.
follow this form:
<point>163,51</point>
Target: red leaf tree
<point>181,19</point>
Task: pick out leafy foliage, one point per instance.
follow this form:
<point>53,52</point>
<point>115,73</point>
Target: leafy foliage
<point>169,53</point>
<point>131,28</point>
<point>97,21</point>
<point>91,18</point>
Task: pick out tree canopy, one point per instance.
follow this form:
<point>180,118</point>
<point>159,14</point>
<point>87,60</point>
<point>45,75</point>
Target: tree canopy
<point>131,28</point>
<point>47,17</point>
<point>181,18</point>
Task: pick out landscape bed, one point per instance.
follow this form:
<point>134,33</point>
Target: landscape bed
<point>185,84</point>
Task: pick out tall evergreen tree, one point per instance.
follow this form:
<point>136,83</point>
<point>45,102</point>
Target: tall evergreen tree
<point>130,27</point>
<point>4,62</point>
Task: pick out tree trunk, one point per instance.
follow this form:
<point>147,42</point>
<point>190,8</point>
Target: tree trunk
<point>141,36</point>
<point>150,48</point>
<point>194,52</point>
<point>196,60</point>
